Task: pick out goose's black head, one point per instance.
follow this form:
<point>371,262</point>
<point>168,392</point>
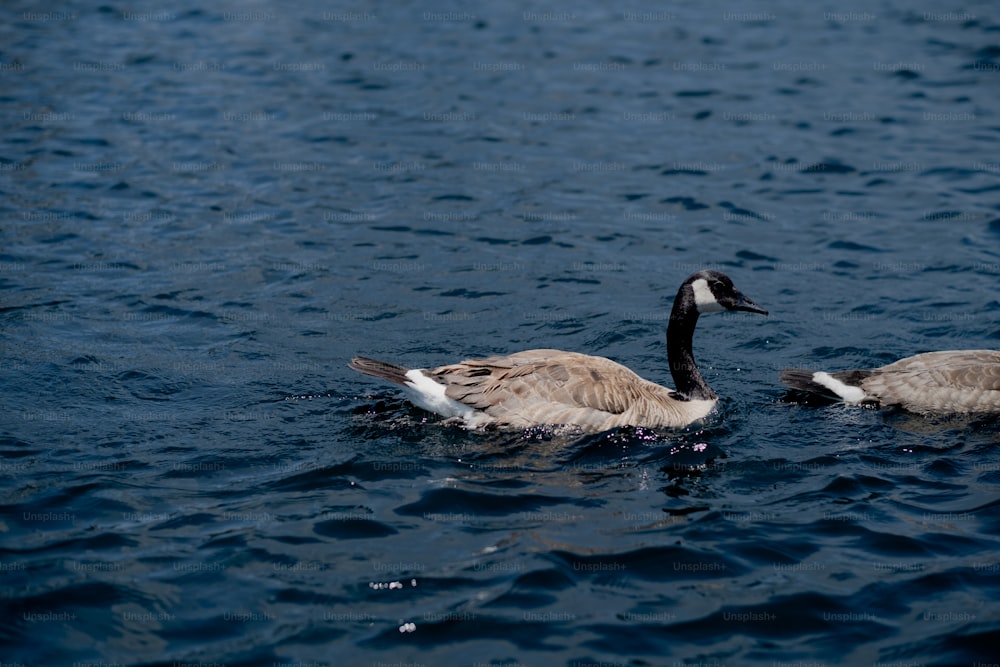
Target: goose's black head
<point>712,292</point>
<point>702,292</point>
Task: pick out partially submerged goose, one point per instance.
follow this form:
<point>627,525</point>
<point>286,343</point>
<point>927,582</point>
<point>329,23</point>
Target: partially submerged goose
<point>953,381</point>
<point>539,387</point>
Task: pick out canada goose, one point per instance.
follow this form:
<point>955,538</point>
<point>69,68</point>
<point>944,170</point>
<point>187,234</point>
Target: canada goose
<point>539,387</point>
<point>953,381</point>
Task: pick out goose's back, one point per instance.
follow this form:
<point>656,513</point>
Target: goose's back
<point>939,382</point>
<point>556,387</point>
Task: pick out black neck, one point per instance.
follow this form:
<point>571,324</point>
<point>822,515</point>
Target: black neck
<point>688,382</point>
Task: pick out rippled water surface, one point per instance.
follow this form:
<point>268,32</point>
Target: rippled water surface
<point>209,208</point>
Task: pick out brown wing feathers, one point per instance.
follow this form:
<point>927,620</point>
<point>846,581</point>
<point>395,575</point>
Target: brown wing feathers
<point>520,383</point>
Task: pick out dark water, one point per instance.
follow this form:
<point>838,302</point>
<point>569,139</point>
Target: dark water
<point>207,209</point>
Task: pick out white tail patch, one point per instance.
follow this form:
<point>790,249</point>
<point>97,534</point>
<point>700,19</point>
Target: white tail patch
<point>703,297</point>
<point>429,394</point>
<point>846,392</point>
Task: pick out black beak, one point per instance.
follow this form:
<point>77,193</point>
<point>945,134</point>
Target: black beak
<point>745,303</point>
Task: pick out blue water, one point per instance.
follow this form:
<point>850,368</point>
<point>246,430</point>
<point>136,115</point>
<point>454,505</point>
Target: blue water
<point>208,209</point>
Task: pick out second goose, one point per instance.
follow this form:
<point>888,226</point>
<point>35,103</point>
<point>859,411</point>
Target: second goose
<point>951,381</point>
<point>548,387</point>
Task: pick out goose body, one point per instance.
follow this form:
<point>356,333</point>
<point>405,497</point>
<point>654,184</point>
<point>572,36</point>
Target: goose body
<point>554,387</point>
<point>946,382</point>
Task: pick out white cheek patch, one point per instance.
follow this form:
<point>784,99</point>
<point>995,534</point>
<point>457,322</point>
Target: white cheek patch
<point>703,297</point>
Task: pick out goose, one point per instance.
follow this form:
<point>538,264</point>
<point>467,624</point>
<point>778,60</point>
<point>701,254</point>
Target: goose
<point>946,382</point>
<point>553,387</point>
